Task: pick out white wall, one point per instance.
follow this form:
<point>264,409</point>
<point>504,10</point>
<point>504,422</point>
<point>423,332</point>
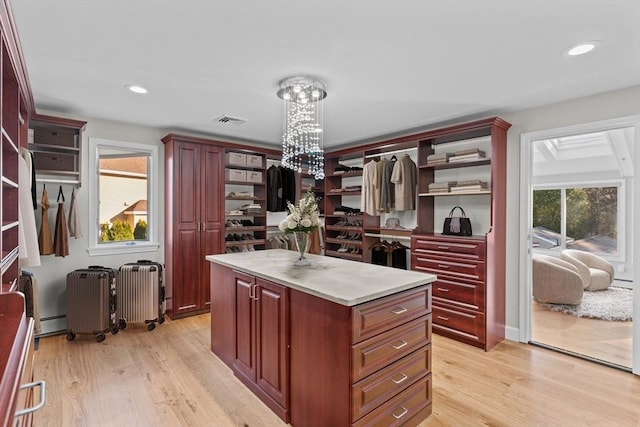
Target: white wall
<point>610,105</point>
<point>51,275</point>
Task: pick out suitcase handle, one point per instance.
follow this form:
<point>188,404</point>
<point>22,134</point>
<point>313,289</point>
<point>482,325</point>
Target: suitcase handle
<point>144,261</point>
<point>95,267</point>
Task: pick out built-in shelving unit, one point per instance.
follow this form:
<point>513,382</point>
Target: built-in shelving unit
<point>344,230</point>
<point>245,185</point>
<point>56,144</point>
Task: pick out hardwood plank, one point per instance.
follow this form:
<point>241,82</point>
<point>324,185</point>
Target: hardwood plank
<point>169,377</point>
<point>600,339</point>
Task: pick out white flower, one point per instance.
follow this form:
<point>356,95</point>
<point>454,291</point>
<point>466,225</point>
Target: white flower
<point>291,224</point>
<point>306,222</point>
<point>283,225</point>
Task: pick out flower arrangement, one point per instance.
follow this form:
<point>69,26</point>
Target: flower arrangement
<point>304,216</point>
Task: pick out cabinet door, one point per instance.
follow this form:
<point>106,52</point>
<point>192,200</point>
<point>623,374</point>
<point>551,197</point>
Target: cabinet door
<point>245,354</point>
<point>210,214</point>
<point>186,251</point>
<point>186,274</point>
<point>272,335</point>
<point>186,184</point>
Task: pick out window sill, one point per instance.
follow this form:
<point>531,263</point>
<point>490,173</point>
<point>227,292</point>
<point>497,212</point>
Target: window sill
<point>122,249</point>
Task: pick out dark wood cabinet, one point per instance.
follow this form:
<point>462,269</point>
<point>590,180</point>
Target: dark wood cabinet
<point>260,337</point>
<point>193,222</point>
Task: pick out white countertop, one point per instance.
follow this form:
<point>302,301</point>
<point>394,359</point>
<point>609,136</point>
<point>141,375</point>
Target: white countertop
<point>342,281</point>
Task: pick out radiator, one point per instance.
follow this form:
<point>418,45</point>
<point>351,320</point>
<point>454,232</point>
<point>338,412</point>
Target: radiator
<point>139,293</point>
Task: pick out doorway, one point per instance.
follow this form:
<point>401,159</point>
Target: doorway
<point>577,187</point>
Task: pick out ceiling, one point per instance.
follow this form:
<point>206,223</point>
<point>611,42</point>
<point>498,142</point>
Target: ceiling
<point>389,66</point>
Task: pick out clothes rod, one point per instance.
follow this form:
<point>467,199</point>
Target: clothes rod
<point>58,181</point>
<point>391,152</point>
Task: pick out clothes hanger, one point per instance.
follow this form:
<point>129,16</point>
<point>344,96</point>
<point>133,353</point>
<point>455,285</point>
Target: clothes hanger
<point>394,157</point>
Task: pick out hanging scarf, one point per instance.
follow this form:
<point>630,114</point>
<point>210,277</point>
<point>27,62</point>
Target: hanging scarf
<point>44,237</point>
<point>60,239</point>
<point>75,230</point>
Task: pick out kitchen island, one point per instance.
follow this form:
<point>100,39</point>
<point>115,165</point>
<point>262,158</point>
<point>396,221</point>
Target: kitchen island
<point>336,343</point>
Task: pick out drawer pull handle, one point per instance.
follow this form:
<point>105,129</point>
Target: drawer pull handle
<point>443,266</point>
<point>399,346</point>
<point>443,289</point>
<point>446,319</point>
<point>404,412</point>
<point>399,310</point>
<point>401,380</point>
<point>43,398</point>
<point>446,248</point>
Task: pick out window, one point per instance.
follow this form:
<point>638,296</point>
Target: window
<point>123,206</point>
<point>573,217</point>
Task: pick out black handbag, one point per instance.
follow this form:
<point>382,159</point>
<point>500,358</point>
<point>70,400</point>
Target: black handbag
<point>457,225</point>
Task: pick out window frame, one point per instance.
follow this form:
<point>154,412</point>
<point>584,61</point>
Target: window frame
<point>621,214</point>
<point>153,244</point>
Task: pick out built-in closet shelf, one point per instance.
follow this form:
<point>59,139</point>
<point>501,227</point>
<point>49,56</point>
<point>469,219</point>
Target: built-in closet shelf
<point>236,230</point>
<point>343,193</point>
<point>453,193</point>
<point>46,148</point>
<point>9,225</point>
<point>248,199</point>
<point>245,183</point>
<point>343,228</point>
<point>345,174</point>
<point>8,257</point>
<point>344,241</point>
<point>6,182</point>
<point>456,165</point>
<point>230,243</point>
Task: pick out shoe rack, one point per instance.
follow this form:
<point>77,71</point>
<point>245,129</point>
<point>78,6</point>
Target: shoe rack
<point>344,227</point>
<point>245,199</point>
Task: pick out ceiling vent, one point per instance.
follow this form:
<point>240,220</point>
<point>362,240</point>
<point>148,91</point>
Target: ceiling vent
<point>228,120</point>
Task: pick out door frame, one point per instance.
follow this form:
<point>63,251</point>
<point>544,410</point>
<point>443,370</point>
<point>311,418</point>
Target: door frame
<point>526,201</point>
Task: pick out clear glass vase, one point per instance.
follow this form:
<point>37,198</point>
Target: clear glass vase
<point>303,240</point>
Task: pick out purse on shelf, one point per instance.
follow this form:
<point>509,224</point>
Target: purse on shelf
<point>457,225</point>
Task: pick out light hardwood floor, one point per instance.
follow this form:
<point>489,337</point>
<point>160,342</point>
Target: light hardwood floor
<point>169,377</point>
<point>600,339</point>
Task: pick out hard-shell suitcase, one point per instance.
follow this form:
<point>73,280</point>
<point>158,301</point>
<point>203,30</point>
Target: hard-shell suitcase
<point>91,302</point>
<point>140,290</point>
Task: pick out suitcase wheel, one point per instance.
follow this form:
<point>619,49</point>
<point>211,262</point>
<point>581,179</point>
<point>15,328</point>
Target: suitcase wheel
<point>115,329</point>
<point>122,324</point>
<point>100,337</point>
<point>151,326</point>
<point>71,336</point>
<point>161,320</point>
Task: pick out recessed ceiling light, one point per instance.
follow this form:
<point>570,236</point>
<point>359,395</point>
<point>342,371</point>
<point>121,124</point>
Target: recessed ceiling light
<point>582,48</point>
<point>136,89</point>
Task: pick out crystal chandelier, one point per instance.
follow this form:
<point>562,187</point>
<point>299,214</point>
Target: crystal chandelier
<point>302,136</point>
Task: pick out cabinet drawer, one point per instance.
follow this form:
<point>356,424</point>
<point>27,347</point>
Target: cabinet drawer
<point>376,389</point>
<point>381,315</point>
<point>415,401</point>
<point>466,293</point>
<point>465,269</point>
<point>377,352</point>
<point>466,248</point>
<point>467,324</point>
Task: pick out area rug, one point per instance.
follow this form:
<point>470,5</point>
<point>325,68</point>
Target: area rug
<point>611,304</point>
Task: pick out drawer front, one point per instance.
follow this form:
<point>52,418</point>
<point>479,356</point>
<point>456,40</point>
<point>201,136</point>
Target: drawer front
<point>377,352</point>
<point>376,389</point>
<point>465,269</point>
<point>464,293</point>
<point>467,324</point>
<point>466,248</point>
<point>415,401</point>
<point>383,314</point>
